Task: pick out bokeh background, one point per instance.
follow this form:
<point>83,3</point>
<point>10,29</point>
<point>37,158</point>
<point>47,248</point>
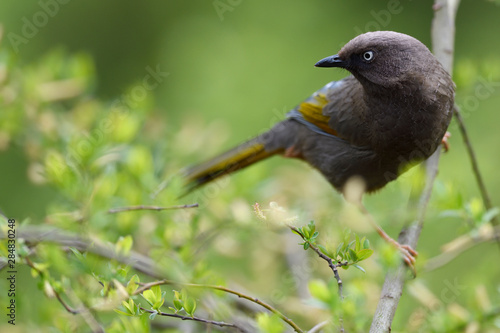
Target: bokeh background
<point>234,68</point>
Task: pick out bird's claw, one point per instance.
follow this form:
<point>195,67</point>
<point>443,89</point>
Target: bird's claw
<point>409,255</point>
<point>444,141</point>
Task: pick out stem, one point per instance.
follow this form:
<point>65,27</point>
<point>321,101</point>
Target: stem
<point>143,207</point>
<point>201,320</point>
<point>227,290</point>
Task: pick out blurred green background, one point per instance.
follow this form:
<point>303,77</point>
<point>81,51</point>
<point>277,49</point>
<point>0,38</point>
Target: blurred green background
<point>234,70</point>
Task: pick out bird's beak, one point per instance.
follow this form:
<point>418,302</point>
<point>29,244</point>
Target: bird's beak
<point>332,61</point>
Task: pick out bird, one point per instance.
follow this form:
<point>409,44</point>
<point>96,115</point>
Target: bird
<point>389,114</point>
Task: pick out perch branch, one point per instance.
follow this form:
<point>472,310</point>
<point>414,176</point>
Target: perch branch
<point>443,35</point>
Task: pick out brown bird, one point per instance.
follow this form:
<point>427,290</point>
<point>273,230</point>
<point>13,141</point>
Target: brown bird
<point>391,113</point>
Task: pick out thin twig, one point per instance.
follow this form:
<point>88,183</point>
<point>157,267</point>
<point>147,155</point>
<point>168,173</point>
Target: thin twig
<point>443,36</point>
<point>475,168</point>
<point>460,245</point>
<point>334,267</point>
<point>52,290</point>
<point>318,327</point>
<point>143,207</point>
<point>287,320</point>
<point>201,320</point>
<point>38,234</point>
<point>323,256</point>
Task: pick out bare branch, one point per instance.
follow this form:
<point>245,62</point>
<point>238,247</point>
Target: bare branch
<point>443,36</point>
<point>37,234</point>
<point>475,168</point>
<point>201,320</point>
<point>461,244</point>
<point>143,207</point>
<point>287,320</point>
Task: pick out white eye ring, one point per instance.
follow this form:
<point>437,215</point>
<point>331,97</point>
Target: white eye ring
<point>368,56</point>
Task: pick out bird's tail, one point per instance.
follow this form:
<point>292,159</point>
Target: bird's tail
<point>235,159</point>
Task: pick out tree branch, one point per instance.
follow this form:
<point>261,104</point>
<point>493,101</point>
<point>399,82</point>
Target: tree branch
<point>143,207</point>
<point>37,234</point>
<point>201,320</point>
<point>287,320</point>
<point>443,35</point>
<point>334,267</point>
<point>475,168</point>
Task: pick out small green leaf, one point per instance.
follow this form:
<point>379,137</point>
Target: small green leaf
<point>358,244</point>
<point>360,268</point>
<point>366,244</point>
<point>312,226</point>
<point>339,249</point>
<point>77,254</point>
<point>123,313</point>
<point>353,255</point>
<point>149,296</point>
<point>305,232</point>
<point>364,254</point>
<point>190,306</point>
<point>306,245</point>
<point>152,315</point>
<point>178,305</point>
<point>324,250</point>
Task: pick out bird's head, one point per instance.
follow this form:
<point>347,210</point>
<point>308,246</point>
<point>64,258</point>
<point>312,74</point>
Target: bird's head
<point>383,58</point>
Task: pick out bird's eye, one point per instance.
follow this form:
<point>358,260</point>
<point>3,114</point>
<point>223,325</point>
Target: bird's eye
<point>368,56</point>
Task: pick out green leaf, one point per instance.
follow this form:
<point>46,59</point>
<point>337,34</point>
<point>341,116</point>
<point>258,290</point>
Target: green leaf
<point>358,244</point>
<point>339,250</point>
<point>359,267</point>
<point>366,244</point>
<point>364,254</point>
<point>306,245</point>
<point>353,255</point>
<point>324,250</point>
<point>149,296</point>
<point>123,313</point>
<point>178,305</point>
<point>312,226</point>
<point>152,315</point>
<point>132,284</point>
<point>190,306</point>
<point>305,232</point>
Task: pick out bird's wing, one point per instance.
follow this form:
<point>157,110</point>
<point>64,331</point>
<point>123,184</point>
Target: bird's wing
<point>335,110</point>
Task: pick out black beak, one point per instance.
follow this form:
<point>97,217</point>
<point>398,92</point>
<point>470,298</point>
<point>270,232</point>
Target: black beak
<point>332,61</point>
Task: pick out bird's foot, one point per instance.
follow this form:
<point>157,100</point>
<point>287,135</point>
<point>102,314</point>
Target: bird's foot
<point>408,253</point>
<point>444,141</point>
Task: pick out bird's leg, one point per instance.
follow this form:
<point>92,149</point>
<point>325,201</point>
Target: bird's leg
<point>409,254</point>
<point>444,141</point>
